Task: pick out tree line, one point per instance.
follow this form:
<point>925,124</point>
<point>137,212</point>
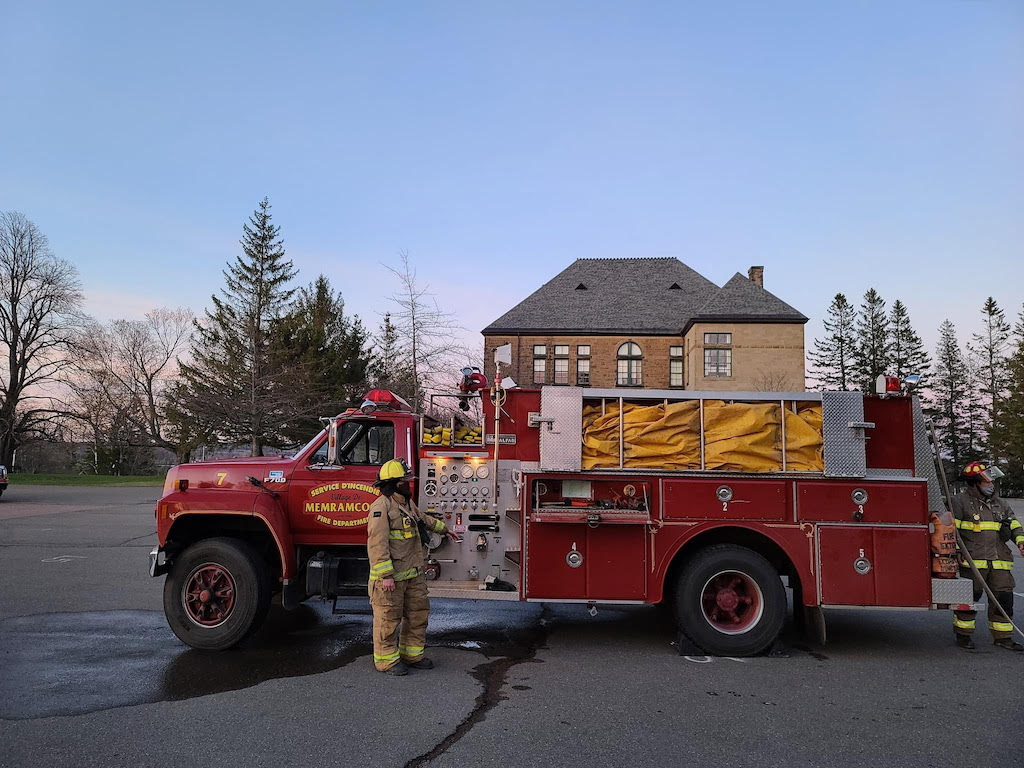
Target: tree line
<point>266,359</point>
<point>973,392</point>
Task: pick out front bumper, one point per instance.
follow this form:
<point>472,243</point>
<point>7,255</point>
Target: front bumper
<point>157,568</point>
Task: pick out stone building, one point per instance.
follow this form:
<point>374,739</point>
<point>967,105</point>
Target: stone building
<point>652,323</point>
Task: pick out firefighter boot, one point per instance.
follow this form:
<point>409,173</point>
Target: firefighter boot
<point>1009,644</point>
<point>423,663</point>
<point>398,670</point>
<point>965,642</point>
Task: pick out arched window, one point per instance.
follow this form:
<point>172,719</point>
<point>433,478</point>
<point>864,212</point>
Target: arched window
<point>630,365</point>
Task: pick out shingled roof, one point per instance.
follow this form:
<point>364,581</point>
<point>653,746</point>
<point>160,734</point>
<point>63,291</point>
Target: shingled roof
<point>623,296</point>
<point>741,300</point>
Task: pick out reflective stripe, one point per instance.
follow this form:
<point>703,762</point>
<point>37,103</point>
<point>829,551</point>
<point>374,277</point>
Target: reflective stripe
<point>963,624</point>
<point>439,526</point>
<point>401,534</point>
<point>411,650</point>
<point>1002,565</point>
<point>380,568</point>
<point>979,564</point>
<point>1019,540</point>
<point>404,575</point>
<point>984,525</point>
<point>1000,626</point>
<point>387,657</point>
<point>1014,525</point>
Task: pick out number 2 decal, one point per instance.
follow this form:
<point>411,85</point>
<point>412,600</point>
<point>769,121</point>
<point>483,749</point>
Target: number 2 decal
<point>220,477</point>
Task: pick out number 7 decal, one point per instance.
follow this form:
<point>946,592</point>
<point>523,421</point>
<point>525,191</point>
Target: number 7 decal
<point>220,477</point>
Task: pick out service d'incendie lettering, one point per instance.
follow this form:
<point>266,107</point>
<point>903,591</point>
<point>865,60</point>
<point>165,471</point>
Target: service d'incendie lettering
<point>339,504</point>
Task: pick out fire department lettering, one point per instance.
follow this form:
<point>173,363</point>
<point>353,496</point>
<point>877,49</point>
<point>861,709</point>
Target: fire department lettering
<point>340,505</point>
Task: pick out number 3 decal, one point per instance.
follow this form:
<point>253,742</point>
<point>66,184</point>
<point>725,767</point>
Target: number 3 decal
<point>220,477</point>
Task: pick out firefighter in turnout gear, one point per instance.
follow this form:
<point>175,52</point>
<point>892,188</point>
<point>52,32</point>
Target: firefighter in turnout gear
<point>398,590</point>
<point>986,523</point>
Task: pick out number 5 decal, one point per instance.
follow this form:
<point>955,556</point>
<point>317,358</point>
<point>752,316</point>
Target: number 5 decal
<point>220,477</point>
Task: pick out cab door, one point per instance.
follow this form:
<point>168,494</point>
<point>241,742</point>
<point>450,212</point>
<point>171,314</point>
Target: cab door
<point>329,503</point>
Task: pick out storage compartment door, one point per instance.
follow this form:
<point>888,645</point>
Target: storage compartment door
<point>610,561</point>
<point>874,566</point>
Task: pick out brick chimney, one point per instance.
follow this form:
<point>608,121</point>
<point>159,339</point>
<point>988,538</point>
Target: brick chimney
<point>756,276</point>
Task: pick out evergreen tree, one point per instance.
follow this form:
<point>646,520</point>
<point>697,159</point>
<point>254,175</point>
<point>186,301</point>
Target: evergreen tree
<point>389,368</point>
<point>832,358</point>
<point>950,395</point>
<point>1008,428</point>
<point>908,353</point>
<point>873,347</point>
<point>991,346</point>
<point>327,352</point>
<point>234,380</point>
<point>975,410</point>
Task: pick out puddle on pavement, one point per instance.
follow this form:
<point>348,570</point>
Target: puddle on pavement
<point>73,663</point>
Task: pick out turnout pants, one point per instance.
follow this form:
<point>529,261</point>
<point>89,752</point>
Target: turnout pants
<point>399,622</point>
<point>1001,583</point>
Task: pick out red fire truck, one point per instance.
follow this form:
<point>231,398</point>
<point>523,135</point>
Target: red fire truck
<point>712,502</point>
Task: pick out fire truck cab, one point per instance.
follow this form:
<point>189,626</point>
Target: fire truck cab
<point>715,503</point>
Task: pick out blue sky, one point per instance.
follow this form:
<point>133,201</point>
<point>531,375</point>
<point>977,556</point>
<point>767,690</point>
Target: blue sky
<point>843,145</point>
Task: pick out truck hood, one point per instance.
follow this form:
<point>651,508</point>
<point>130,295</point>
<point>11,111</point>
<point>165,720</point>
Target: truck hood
<point>230,474</point>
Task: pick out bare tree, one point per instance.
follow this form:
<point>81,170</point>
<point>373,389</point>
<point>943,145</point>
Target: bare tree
<point>132,366</point>
<point>40,322</point>
<point>429,332</point>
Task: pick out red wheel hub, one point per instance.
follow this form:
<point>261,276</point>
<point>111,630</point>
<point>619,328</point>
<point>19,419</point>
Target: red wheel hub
<point>731,602</point>
<point>209,595</point>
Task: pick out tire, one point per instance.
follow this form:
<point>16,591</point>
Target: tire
<point>730,601</point>
<point>216,594</point>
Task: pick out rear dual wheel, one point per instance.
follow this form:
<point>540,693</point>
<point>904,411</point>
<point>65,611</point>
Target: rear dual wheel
<point>216,593</point>
<point>730,601</point>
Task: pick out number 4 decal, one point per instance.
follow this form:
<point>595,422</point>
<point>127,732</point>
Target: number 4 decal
<point>220,477</point>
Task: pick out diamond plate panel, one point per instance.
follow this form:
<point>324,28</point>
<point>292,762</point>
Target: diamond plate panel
<point>952,591</point>
<point>844,446</point>
<point>561,446</point>
<point>924,458</point>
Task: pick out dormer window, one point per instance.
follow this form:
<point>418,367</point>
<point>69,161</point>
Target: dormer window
<point>675,287</point>
<point>581,287</point>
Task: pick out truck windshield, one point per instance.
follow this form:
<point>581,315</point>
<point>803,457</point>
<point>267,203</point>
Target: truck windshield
<point>366,442</point>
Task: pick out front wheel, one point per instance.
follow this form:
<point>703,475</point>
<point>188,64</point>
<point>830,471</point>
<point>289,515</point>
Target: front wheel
<point>216,593</point>
<point>730,601</point>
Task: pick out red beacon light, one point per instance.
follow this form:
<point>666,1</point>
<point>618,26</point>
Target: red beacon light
<point>888,385</point>
<point>383,399</point>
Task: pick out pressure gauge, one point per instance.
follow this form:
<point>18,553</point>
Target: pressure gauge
<point>444,490</point>
<point>475,490</point>
<point>465,490</point>
<point>444,478</point>
<point>483,471</point>
<point>454,477</point>
<point>485,490</point>
<point>467,471</point>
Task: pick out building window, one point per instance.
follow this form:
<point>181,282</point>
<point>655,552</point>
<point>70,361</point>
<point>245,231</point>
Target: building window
<point>675,366</point>
<point>717,363</point>
<point>630,365</point>
<point>539,365</point>
<point>583,350</point>
<point>717,339</point>
<point>561,370</point>
<point>583,372</point>
<point>539,350</point>
<point>561,350</point>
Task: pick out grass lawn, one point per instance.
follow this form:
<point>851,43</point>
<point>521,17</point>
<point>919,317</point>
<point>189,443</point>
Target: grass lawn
<point>55,479</point>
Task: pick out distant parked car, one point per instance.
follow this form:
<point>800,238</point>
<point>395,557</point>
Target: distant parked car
<point>3,479</point>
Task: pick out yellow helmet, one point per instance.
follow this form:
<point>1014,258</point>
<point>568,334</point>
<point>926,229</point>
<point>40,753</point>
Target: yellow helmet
<point>396,469</point>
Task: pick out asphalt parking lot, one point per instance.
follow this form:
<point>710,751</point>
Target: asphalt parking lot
<point>90,675</point>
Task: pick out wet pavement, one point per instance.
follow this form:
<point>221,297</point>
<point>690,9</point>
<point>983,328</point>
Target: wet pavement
<point>90,675</point>
<point>68,663</point>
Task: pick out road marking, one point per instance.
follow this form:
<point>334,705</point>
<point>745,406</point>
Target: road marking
<point>62,558</point>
